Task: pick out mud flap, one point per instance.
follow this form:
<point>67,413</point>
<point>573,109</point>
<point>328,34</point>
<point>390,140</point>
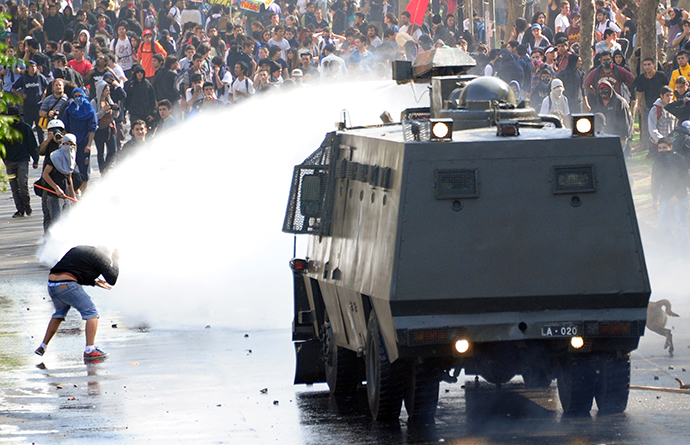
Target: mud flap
<point>309,367</point>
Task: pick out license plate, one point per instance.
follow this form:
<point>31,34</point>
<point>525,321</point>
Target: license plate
<point>561,330</point>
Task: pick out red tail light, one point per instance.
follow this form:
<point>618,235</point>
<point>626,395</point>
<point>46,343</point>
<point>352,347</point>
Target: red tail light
<point>298,265</point>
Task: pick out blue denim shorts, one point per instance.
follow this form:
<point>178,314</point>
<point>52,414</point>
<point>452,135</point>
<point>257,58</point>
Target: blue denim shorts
<point>68,294</point>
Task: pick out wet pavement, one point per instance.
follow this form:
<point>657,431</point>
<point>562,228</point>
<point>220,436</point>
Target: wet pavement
<point>211,385</point>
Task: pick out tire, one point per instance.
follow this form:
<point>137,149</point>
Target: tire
<point>576,384</point>
<point>385,380</point>
<point>342,366</point>
<point>613,385</point>
<point>421,392</point>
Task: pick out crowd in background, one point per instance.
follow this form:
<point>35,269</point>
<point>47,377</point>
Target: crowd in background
<point>90,68</point>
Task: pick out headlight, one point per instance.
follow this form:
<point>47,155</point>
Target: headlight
<point>577,342</point>
<point>462,346</point>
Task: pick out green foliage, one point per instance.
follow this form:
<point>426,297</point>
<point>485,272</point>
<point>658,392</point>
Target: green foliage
<point>7,132</point>
<point>3,178</point>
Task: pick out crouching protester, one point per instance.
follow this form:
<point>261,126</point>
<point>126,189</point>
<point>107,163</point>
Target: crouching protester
<point>81,266</point>
<point>670,183</point>
<point>57,173</point>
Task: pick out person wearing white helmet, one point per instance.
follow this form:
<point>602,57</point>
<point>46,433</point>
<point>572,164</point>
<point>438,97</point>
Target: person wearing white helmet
<point>57,173</point>
<point>56,129</point>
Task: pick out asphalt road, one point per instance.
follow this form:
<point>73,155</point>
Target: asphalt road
<point>210,385</point>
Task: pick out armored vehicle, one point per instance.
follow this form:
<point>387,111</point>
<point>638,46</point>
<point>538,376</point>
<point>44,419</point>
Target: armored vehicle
<point>473,235</point>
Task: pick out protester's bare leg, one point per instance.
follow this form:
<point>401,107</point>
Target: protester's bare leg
<point>91,328</point>
<point>52,329</point>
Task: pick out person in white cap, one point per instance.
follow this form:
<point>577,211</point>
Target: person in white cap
<point>297,76</point>
<point>556,103</point>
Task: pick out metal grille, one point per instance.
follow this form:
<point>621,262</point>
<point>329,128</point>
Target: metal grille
<point>374,175</point>
<point>362,173</point>
<point>416,125</point>
<point>455,184</point>
<point>574,179</point>
<point>311,194</point>
<point>341,168</point>
<point>384,179</point>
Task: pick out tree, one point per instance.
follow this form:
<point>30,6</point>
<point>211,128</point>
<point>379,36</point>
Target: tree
<point>516,9</point>
<point>587,14</point>
<point>645,13</point>
<point>7,132</point>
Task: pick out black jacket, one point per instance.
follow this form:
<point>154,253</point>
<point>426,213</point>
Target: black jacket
<point>617,114</point>
<point>24,148</point>
<point>572,82</point>
<point>87,263</point>
<point>141,98</point>
<point>164,85</point>
<point>509,69</point>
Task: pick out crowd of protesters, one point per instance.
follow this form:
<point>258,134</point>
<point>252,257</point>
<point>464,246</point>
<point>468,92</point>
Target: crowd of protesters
<point>151,63</point>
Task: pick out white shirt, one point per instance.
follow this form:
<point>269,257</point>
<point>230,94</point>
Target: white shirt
<point>120,72</point>
<point>284,45</point>
<point>123,50</point>
<point>333,58</point>
<point>185,63</point>
<point>415,35</point>
<point>189,95</point>
<point>245,86</point>
<point>561,23</point>
<point>190,15</point>
<point>601,27</point>
<point>176,17</point>
<point>227,81</point>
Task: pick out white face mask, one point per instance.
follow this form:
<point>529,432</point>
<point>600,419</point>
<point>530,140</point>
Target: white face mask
<point>69,149</point>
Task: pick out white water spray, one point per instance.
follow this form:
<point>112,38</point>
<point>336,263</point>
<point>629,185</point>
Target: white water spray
<point>197,214</point>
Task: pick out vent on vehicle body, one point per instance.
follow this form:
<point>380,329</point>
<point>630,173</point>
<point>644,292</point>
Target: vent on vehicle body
<point>455,184</point>
<point>573,179</point>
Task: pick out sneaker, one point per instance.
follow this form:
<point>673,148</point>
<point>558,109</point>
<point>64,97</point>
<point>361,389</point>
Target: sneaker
<point>18,215</point>
<point>29,212</point>
<point>40,350</point>
<point>97,354</point>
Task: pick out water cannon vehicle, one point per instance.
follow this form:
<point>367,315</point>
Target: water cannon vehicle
<point>475,236</point>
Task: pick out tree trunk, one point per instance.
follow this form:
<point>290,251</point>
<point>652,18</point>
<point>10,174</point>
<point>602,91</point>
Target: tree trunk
<point>646,26</point>
<point>587,34</point>
<point>516,9</point>
<point>646,41</point>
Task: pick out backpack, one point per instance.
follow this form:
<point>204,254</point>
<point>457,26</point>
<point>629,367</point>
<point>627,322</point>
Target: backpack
<point>149,19</point>
<point>177,85</point>
<point>659,111</point>
<point>213,22</point>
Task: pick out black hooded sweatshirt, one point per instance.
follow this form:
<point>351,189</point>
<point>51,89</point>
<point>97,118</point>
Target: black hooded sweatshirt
<point>572,82</point>
<point>617,112</point>
<point>141,98</point>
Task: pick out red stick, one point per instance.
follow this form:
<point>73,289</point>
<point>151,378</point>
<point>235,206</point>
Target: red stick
<point>54,192</point>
